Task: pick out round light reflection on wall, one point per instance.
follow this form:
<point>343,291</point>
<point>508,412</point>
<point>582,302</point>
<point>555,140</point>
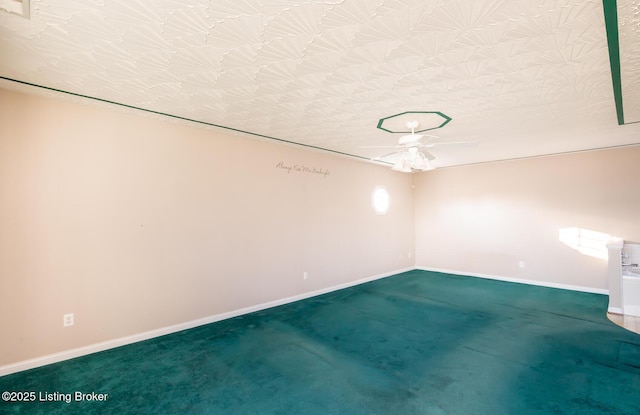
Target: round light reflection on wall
<point>380,200</point>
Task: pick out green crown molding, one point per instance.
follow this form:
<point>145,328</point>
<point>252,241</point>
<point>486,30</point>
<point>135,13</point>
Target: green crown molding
<point>611,24</point>
<point>445,118</point>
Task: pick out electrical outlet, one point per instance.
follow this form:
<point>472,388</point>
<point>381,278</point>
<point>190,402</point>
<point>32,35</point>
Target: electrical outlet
<point>67,320</point>
<point>521,264</point>
<point>304,275</point>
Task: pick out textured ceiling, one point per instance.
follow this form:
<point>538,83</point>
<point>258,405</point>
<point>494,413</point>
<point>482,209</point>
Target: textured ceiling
<point>520,78</point>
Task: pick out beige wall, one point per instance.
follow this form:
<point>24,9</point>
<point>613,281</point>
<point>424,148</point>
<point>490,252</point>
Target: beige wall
<point>135,223</point>
<point>486,218</point>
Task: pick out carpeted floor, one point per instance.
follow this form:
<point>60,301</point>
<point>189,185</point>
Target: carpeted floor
<point>416,343</point>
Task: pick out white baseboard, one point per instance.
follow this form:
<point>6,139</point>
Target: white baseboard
<point>615,310</point>
<point>122,341</point>
<point>520,281</point>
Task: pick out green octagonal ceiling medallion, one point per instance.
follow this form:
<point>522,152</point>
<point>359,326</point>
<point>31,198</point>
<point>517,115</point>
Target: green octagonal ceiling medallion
<point>427,120</point>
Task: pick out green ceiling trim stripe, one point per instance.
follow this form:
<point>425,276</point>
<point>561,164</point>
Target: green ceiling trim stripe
<point>188,119</point>
<point>611,23</point>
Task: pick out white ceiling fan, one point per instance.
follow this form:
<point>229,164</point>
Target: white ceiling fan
<point>411,151</point>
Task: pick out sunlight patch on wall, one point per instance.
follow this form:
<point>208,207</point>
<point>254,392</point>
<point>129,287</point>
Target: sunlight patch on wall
<point>380,200</point>
<point>586,241</point>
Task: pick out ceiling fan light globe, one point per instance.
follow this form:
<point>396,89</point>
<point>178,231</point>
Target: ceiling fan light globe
<point>402,165</point>
<point>419,164</point>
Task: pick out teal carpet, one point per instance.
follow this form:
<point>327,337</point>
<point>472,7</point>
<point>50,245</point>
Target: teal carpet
<point>416,343</point>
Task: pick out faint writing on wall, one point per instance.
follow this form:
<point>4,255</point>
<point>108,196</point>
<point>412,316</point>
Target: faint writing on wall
<point>299,168</point>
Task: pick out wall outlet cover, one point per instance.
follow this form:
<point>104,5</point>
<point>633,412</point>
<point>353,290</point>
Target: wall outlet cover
<point>67,320</point>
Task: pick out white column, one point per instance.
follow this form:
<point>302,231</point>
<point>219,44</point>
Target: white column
<point>614,275</point>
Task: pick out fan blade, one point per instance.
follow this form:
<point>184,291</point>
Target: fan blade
<point>387,155</point>
<point>428,155</point>
<point>379,146</point>
<point>457,143</point>
<point>411,138</point>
